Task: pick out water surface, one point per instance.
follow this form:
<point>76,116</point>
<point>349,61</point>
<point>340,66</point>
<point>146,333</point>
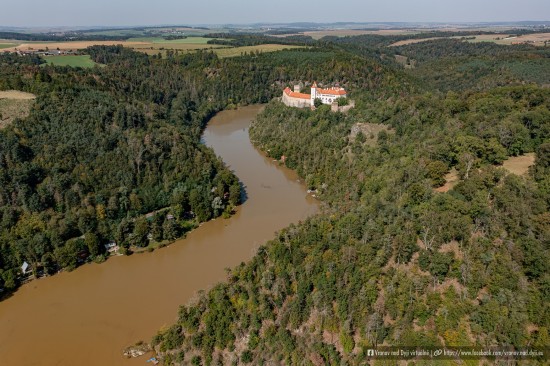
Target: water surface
<point>87,317</point>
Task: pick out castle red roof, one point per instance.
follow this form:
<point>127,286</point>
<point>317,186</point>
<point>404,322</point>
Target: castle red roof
<point>292,94</point>
<point>333,91</point>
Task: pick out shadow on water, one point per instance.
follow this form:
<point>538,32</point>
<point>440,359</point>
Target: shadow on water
<point>244,195</point>
<point>4,295</point>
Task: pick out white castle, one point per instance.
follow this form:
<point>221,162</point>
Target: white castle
<point>303,100</point>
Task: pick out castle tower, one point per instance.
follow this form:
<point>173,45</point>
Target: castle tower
<point>313,93</point>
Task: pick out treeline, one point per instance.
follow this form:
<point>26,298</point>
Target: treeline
<point>72,36</point>
<point>392,261</point>
<point>253,39</point>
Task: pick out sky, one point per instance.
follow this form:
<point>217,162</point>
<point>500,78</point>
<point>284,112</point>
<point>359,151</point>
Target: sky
<point>39,13</point>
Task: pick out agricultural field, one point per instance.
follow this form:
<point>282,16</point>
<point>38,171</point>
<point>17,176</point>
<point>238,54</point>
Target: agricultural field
<point>72,60</point>
<point>237,51</point>
<point>155,48</point>
<point>67,46</point>
<point>150,45</point>
<point>358,32</point>
<point>154,45</point>
<point>537,39</point>
<point>155,40</point>
<point>14,104</point>
<point>147,32</point>
<point>6,45</point>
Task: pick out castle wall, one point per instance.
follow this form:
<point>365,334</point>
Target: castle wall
<point>336,108</point>
<point>295,102</point>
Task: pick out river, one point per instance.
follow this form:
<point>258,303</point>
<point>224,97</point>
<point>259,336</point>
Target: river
<point>88,316</point>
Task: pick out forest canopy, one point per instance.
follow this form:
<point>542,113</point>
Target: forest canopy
<point>114,153</point>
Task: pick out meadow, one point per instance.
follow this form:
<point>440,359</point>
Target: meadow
<point>72,60</point>
<point>238,51</point>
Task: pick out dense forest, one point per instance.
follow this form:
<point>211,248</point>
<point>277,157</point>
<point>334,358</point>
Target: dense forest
<point>393,261</point>
<point>454,65</point>
<point>114,153</point>
<point>95,162</point>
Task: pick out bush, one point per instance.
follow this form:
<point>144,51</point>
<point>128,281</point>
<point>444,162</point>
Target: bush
<point>246,357</point>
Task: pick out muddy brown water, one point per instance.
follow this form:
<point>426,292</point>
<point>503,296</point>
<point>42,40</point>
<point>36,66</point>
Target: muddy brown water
<point>88,316</point>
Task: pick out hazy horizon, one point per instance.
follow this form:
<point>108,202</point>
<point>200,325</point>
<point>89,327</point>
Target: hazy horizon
<point>34,13</point>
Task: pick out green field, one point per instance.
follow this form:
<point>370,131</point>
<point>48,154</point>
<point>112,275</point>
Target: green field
<point>7,45</point>
<point>73,61</point>
<point>238,51</point>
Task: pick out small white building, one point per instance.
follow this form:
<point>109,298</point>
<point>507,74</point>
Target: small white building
<point>26,268</point>
<point>111,247</point>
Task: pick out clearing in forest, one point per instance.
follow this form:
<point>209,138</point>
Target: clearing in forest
<point>451,179</point>
<point>71,60</point>
<point>519,165</point>
<point>14,104</point>
<point>238,51</point>
<point>369,131</point>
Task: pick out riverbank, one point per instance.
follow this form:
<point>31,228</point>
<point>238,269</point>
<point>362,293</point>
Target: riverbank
<point>92,314</point>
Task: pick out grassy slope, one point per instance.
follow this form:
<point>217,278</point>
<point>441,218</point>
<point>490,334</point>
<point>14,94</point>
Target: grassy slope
<point>73,61</point>
<point>237,51</point>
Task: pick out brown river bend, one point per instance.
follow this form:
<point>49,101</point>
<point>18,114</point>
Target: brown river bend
<point>88,316</point>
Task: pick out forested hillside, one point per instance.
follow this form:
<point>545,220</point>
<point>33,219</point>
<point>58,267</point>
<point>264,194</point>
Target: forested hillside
<point>393,261</point>
<point>113,153</point>
<point>93,158</point>
<point>398,257</point>
<point>451,64</point>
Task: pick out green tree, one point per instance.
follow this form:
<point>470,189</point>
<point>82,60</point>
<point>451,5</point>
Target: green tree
<point>92,243</point>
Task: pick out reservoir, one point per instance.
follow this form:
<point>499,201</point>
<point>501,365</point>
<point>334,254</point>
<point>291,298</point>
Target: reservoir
<point>88,316</point>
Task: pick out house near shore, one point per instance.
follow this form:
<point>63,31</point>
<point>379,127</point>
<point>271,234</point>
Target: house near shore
<point>27,273</point>
<point>26,268</point>
<point>330,96</point>
<point>111,247</point>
